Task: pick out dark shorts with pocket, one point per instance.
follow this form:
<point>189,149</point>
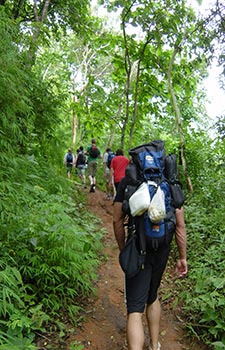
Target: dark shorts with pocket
<point>141,290</point>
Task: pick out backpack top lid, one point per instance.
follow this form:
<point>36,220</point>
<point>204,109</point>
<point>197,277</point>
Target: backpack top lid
<point>150,157</point>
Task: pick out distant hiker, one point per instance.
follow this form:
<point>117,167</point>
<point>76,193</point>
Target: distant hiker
<point>149,233</point>
<point>69,162</point>
<point>80,164</point>
<point>93,155</point>
<point>118,167</point>
<point>107,158</point>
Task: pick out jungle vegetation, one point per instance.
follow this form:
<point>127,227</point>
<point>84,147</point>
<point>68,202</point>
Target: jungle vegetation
<point>67,75</point>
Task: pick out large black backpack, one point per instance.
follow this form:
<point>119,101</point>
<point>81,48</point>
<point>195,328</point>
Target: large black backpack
<point>150,165</point>
<point>94,151</point>
<point>81,159</point>
<point>111,155</point>
<point>69,158</point>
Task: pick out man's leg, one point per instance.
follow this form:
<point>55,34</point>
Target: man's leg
<point>137,290</point>
<point>84,179</point>
<point>153,313</point>
<point>135,331</point>
<point>90,175</point>
<point>68,172</point>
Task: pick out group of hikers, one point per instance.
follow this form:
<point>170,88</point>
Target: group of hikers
<point>114,165</point>
<point>147,213</point>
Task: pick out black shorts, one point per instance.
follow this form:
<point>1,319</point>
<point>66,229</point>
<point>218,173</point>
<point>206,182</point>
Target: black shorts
<point>142,288</point>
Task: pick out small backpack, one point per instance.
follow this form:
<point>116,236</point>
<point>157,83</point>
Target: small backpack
<point>81,159</point>
<point>111,155</point>
<point>147,174</point>
<point>69,158</point>
<point>94,151</point>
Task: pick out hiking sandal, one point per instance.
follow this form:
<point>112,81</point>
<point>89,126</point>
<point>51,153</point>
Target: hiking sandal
<point>158,347</point>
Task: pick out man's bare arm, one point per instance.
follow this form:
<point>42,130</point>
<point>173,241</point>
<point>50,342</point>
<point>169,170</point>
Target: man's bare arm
<point>118,221</point>
<point>181,241</point>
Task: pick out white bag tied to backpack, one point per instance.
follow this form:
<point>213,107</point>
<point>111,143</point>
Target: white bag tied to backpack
<point>140,200</point>
<point>157,208</point>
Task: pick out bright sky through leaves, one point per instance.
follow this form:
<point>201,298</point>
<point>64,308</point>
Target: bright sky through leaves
<point>216,96</point>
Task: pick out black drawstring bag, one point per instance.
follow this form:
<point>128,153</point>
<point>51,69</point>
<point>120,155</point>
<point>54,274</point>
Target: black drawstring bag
<point>130,259</point>
<point>177,196</point>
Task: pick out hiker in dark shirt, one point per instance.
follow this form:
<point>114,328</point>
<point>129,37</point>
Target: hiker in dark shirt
<point>80,164</point>
<point>93,155</point>
<point>69,162</point>
<point>107,158</point>
<point>141,290</point>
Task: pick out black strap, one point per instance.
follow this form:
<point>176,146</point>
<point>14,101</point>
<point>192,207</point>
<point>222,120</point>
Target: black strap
<point>166,231</point>
<point>142,236</point>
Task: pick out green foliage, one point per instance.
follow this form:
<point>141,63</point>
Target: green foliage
<point>14,97</point>
<point>76,346</point>
<point>18,318</point>
<point>204,303</point>
<point>49,249</point>
<point>50,245</point>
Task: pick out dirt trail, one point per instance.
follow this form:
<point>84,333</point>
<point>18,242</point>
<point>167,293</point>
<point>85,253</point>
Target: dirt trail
<point>105,324</point>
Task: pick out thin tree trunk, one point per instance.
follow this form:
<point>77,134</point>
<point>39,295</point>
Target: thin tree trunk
<point>74,122</point>
<point>127,64</point>
<point>39,20</point>
<point>134,117</point>
<point>125,122</point>
<point>179,123</point>
<point>136,95</point>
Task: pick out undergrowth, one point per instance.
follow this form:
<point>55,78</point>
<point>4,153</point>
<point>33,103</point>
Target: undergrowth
<point>50,250</point>
<point>202,292</point>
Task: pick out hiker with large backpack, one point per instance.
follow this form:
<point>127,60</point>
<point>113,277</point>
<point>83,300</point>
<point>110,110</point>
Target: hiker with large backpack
<point>69,162</point>
<point>80,164</point>
<point>93,155</point>
<point>147,213</point>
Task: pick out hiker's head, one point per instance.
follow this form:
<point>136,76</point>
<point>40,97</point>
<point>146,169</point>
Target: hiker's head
<point>70,150</point>
<point>81,148</point>
<point>108,150</point>
<point>119,152</point>
<point>93,141</point>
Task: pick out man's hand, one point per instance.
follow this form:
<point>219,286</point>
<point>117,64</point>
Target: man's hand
<point>181,268</point>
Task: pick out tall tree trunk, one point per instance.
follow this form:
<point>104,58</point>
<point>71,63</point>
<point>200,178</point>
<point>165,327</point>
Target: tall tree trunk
<point>134,116</point>
<point>74,122</point>
<point>125,122</point>
<point>39,20</point>
<point>127,65</point>
<point>136,94</point>
<point>179,122</point>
